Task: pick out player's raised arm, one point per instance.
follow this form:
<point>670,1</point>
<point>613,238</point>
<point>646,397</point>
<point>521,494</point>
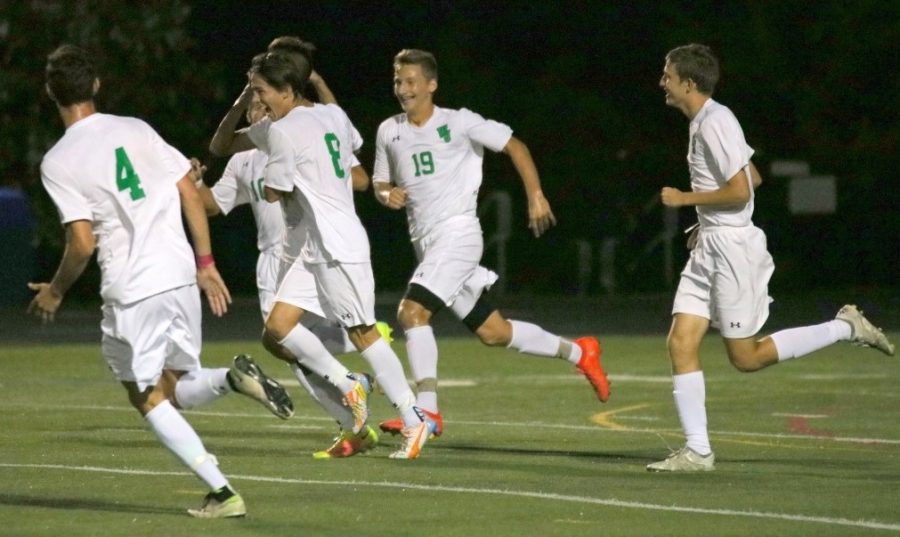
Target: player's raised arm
<point>540,216</point>
<point>80,244</point>
<point>208,277</point>
<point>323,92</point>
<point>226,140</point>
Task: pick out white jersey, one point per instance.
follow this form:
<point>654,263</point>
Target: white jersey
<point>242,183</point>
<point>310,156</point>
<point>120,175</point>
<point>716,152</point>
<point>438,164</point>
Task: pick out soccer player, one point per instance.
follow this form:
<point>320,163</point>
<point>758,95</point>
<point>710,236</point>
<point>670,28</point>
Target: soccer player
<point>428,159</point>
<point>121,188</point>
<point>246,169</point>
<point>724,283</point>
<point>310,151</point>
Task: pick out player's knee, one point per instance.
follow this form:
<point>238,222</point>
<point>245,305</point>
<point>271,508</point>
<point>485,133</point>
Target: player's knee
<point>495,331</point>
<point>744,362</point>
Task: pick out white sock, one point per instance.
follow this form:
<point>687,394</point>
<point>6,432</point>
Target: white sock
<point>690,401</point>
<point>797,342</point>
<point>327,395</point>
<point>569,350</point>
<point>201,387</point>
<point>422,353</point>
<point>180,438</point>
<point>310,352</point>
<point>332,335</point>
<point>389,375</point>
<point>532,339</point>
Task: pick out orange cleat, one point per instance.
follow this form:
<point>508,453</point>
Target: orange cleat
<point>435,424</point>
<point>591,367</point>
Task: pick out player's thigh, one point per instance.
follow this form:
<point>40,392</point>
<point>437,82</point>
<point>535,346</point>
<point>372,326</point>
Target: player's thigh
<point>347,291</point>
<point>298,288</point>
<point>447,261</point>
<point>740,286</point>
<point>161,331</point>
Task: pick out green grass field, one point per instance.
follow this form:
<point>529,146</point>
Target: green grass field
<point>811,447</point>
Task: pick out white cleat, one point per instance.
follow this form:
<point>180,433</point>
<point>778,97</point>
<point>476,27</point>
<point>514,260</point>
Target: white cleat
<point>685,460</point>
<point>414,438</point>
<point>864,334</point>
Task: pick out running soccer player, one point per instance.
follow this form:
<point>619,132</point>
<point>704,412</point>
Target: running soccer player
<point>274,266</point>
<point>121,188</point>
<point>429,160</point>
<point>725,281</point>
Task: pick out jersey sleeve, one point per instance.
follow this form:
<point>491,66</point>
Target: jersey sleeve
<point>281,166</point>
<point>258,133</point>
<point>381,173</point>
<point>69,201</point>
<point>485,132</point>
<point>727,151</point>
<point>227,191</point>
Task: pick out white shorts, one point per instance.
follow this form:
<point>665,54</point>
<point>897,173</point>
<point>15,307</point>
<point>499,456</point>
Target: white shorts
<point>726,280</point>
<point>449,264</point>
<point>347,291</point>
<point>161,331</point>
<point>268,267</point>
<point>297,287</point>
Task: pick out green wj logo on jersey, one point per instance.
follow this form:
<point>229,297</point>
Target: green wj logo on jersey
<point>444,133</point>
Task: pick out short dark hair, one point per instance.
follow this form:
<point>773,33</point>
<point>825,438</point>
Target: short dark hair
<point>280,71</point>
<point>698,63</point>
<point>424,59</point>
<point>70,75</point>
<point>298,50</point>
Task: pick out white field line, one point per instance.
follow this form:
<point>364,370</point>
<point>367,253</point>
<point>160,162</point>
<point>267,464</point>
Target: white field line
<point>587,500</point>
<point>515,424</point>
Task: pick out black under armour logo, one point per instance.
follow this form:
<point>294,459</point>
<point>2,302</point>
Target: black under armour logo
<point>395,138</point>
<point>346,316</point>
<point>735,325</point>
<point>420,274</point>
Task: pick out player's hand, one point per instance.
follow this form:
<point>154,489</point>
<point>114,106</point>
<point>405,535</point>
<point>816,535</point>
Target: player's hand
<point>45,302</point>
<point>245,98</point>
<point>315,78</point>
<point>671,197</point>
<point>210,281</point>
<point>540,216</point>
<point>197,170</point>
<point>396,198</point>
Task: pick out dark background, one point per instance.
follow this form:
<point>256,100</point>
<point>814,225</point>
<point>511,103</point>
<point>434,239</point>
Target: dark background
<point>577,82</point>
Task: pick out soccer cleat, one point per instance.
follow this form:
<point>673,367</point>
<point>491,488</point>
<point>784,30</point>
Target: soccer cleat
<point>685,460</point>
<point>434,420</point>
<point>414,438</point>
<point>348,444</point>
<point>246,377</point>
<point>591,367</point>
<point>385,330</point>
<point>357,399</point>
<point>214,506</point>
<point>864,333</point>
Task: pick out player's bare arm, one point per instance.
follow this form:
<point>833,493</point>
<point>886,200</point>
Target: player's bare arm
<point>80,244</point>
<point>359,178</point>
<point>322,90</point>
<point>390,195</point>
<point>209,202</point>
<point>540,216</point>
<point>735,192</point>
<point>226,140</point>
<point>208,277</point>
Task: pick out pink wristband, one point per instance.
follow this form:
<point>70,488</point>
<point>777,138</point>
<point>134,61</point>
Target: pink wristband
<point>204,261</point>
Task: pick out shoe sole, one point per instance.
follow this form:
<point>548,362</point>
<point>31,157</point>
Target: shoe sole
<point>273,392</point>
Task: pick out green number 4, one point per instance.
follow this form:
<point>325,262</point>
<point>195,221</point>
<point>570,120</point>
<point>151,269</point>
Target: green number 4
<point>334,149</point>
<point>126,179</point>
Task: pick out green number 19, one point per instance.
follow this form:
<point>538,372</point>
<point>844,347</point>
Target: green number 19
<point>424,163</point>
<point>126,179</point>
<point>334,149</point>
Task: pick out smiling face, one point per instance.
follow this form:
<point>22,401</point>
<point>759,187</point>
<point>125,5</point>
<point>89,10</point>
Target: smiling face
<point>413,90</point>
<point>277,103</point>
<point>675,88</point>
